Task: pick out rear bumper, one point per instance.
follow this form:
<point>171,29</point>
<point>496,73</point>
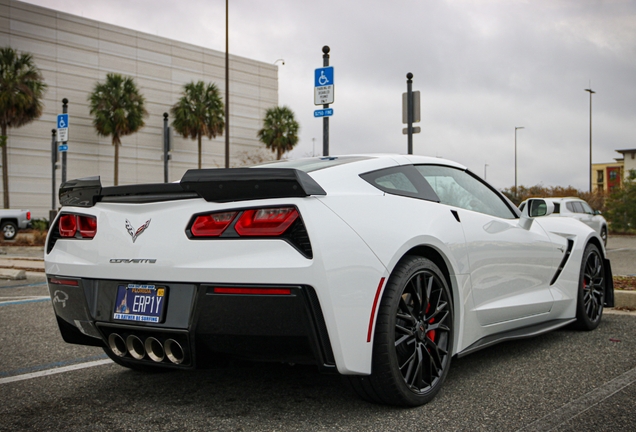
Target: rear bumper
<point>207,325</point>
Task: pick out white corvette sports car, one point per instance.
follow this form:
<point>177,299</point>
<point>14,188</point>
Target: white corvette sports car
<point>378,267</point>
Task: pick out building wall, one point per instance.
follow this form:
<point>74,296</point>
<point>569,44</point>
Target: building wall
<point>74,53</point>
<point>607,176</point>
<point>630,160</point>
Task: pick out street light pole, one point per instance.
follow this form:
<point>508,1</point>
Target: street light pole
<point>591,93</point>
<point>227,86</point>
<point>485,165</point>
<point>516,127</point>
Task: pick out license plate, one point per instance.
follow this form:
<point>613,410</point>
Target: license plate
<point>143,303</point>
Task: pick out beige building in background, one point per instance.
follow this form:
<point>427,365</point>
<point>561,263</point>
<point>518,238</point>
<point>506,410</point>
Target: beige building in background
<point>74,53</point>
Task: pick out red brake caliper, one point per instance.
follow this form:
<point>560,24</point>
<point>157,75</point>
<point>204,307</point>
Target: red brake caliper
<point>431,333</point>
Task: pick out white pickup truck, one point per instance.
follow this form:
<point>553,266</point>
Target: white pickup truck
<point>13,220</point>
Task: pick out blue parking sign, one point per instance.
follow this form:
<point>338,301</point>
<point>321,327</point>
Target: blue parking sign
<point>323,77</point>
<point>62,121</point>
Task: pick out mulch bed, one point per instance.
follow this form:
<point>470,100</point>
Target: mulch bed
<point>627,283</point>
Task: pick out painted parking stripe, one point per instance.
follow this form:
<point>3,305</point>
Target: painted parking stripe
<point>577,407</point>
<point>22,300</point>
<point>54,371</point>
<point>24,285</point>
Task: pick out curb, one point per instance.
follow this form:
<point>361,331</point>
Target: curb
<point>624,298</point>
<point>12,274</point>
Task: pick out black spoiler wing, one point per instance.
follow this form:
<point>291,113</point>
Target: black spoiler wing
<point>214,185</point>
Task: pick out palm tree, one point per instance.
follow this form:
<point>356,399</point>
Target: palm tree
<point>280,130</point>
<point>118,110</point>
<point>199,112</point>
<point>21,90</point>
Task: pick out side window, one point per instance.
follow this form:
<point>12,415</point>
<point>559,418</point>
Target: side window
<point>578,208</point>
<point>460,189</point>
<point>402,180</point>
<point>586,208</point>
<point>570,206</point>
<point>557,208</point>
<point>397,181</point>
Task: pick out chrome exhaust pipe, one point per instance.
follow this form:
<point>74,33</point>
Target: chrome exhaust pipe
<point>135,347</point>
<point>117,344</point>
<point>174,351</point>
<point>154,349</point>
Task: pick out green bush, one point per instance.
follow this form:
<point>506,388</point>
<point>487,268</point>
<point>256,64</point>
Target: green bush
<point>40,224</point>
<point>621,206</point>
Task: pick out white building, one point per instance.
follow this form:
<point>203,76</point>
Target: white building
<point>74,53</point>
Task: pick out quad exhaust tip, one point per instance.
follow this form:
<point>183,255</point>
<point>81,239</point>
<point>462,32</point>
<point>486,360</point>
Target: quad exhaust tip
<point>117,344</point>
<point>135,347</point>
<point>152,347</point>
<point>174,351</point>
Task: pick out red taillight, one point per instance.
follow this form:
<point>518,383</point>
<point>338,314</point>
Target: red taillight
<point>212,225</point>
<point>87,226</point>
<point>28,215</point>
<point>69,224</point>
<point>266,222</point>
<point>252,291</point>
<point>69,282</point>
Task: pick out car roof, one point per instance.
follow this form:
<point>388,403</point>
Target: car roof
<point>358,162</point>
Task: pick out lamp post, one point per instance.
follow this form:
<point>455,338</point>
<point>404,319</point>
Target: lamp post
<point>485,165</point>
<point>227,87</point>
<point>516,127</point>
<point>590,167</point>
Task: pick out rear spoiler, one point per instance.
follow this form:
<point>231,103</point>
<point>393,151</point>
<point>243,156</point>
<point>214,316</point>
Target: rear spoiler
<point>213,185</point>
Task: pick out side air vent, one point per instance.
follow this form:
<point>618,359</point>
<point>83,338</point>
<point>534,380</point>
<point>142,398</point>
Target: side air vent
<point>564,261</point>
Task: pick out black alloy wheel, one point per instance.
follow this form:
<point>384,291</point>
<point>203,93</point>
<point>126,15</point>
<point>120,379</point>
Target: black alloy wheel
<point>413,338</point>
<point>591,295</point>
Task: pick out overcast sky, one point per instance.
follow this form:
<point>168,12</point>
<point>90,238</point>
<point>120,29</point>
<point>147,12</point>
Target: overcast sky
<point>483,67</point>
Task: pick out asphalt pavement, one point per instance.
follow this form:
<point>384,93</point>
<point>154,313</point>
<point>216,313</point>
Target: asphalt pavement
<point>564,381</point>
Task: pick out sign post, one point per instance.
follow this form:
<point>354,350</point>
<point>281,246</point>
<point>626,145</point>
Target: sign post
<point>53,211</point>
<point>410,111</point>
<point>62,135</point>
<point>323,95</point>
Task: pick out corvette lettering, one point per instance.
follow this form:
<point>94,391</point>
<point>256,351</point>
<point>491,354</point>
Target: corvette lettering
<point>133,261</point>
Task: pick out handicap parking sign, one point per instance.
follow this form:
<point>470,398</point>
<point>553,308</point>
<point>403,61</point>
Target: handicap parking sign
<point>62,121</point>
<point>323,77</point>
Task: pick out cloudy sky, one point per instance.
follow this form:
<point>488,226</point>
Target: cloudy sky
<point>483,67</point>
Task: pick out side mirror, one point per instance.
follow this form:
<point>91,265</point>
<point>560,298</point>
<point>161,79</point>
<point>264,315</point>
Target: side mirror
<point>535,208</point>
<point>597,212</point>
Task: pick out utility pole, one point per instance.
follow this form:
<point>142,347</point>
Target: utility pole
<point>325,120</point>
<point>516,127</point>
<point>227,87</point>
<point>590,167</point>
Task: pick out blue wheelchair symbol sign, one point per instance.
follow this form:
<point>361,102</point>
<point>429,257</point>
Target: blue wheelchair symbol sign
<point>62,121</point>
<point>323,77</point>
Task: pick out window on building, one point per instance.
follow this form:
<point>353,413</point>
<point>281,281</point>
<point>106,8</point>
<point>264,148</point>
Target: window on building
<point>599,176</point>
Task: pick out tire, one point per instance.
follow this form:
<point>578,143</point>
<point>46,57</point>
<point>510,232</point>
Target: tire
<point>413,340</point>
<point>9,230</point>
<point>604,235</point>
<point>591,292</point>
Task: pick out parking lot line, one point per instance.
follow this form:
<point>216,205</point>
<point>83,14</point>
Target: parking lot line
<point>22,300</point>
<point>54,371</point>
<point>577,407</point>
